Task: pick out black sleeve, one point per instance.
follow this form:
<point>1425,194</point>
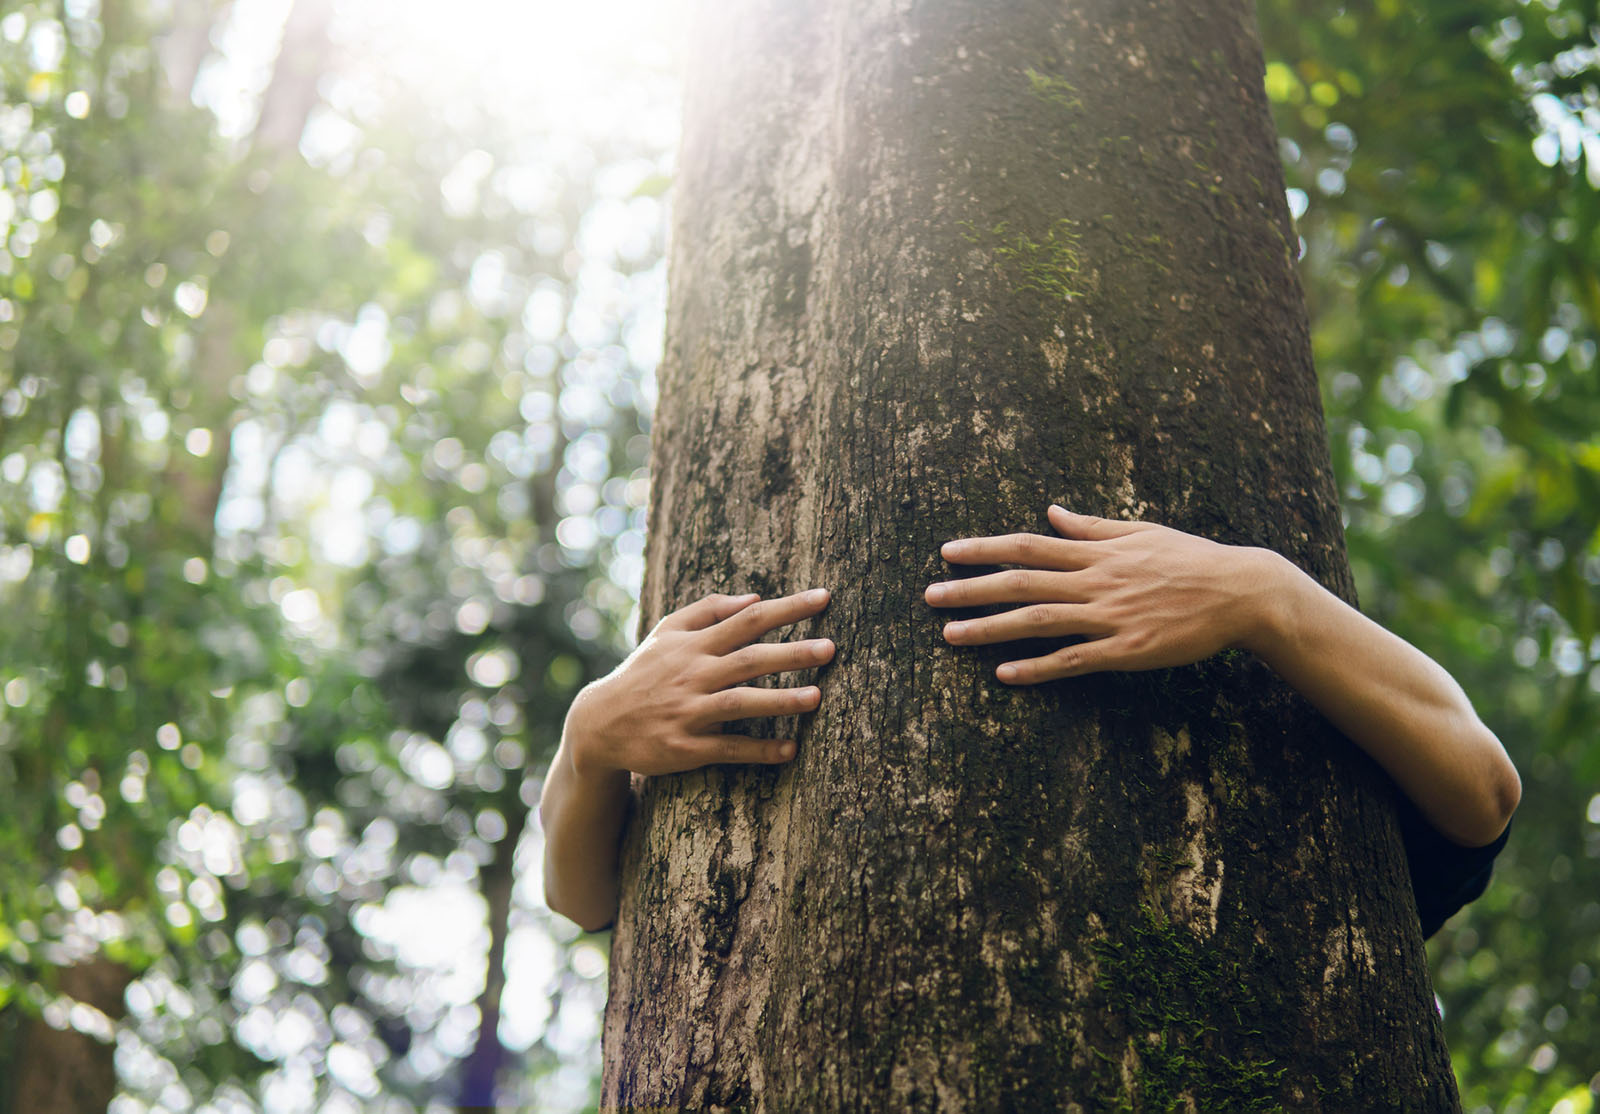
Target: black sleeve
<point>1444,875</point>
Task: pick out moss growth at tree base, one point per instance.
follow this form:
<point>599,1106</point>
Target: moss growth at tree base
<point>1175,1000</point>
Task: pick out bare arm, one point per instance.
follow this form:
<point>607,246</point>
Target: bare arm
<point>583,815</point>
<point>1147,597</point>
<point>1392,700</point>
<point>659,712</point>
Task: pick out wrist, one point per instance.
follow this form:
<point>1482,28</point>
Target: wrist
<point>582,745</point>
<point>1267,612</point>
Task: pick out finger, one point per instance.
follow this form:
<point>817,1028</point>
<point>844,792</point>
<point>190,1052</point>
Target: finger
<point>766,615</point>
<point>709,750</point>
<point>1090,528</point>
<point>762,658</point>
<point>1069,661</point>
<point>1011,586</point>
<point>1033,550</point>
<point>1039,620</point>
<point>747,703</point>
<point>704,612</point>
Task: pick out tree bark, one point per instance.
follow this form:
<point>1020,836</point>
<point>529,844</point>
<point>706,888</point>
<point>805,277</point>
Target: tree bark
<point>936,265</point>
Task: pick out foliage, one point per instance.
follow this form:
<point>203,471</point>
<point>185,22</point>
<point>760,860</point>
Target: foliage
<point>1444,159</point>
<point>316,464</point>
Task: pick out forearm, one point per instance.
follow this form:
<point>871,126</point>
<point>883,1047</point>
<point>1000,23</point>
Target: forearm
<point>583,814</point>
<point>1390,699</point>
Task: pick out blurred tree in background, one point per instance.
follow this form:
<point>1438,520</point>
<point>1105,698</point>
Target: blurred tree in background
<point>322,400</point>
<point>325,380</point>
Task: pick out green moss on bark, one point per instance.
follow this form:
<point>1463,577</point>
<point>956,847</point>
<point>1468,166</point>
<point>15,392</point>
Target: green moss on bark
<point>1053,90</point>
<point>1051,266</point>
<point>1177,999</point>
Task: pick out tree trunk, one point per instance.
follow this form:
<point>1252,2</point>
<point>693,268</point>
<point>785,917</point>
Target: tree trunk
<point>64,1071</point>
<point>936,265</point>
<point>480,1071</point>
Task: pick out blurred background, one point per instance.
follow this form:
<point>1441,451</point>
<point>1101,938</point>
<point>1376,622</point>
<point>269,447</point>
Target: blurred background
<point>327,340</point>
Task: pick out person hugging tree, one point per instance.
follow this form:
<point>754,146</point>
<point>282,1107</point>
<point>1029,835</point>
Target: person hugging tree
<point>1136,596</point>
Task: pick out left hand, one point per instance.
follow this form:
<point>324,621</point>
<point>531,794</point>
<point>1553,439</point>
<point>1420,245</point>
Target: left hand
<point>1144,596</point>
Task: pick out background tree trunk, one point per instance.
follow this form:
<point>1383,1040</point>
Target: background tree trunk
<point>936,265</point>
<point>63,1071</point>
<point>480,1071</point>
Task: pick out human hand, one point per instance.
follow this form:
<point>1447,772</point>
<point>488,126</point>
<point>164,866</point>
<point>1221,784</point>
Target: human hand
<point>1144,596</point>
<point>657,712</point>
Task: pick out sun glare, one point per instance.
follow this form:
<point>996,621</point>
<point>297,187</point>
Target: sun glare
<point>587,68</point>
<point>545,58</point>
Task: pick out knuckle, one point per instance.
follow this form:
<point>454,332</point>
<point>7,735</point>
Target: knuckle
<point>1039,615</point>
<point>1017,579</point>
<point>1025,543</point>
<point>726,702</point>
<point>696,670</point>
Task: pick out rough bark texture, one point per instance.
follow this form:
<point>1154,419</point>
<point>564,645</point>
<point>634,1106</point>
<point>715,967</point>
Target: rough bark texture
<point>935,265</point>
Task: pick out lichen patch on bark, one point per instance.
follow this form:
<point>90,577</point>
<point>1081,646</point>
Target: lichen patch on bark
<point>1197,884</point>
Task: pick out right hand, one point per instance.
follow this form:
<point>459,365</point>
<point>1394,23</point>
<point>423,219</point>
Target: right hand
<point>659,711</point>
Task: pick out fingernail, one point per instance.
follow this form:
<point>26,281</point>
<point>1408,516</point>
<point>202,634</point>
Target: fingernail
<point>954,630</point>
<point>951,549</point>
<point>821,646</point>
<point>1006,673</point>
<point>817,595</point>
<point>786,750</point>
<point>936,592</point>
